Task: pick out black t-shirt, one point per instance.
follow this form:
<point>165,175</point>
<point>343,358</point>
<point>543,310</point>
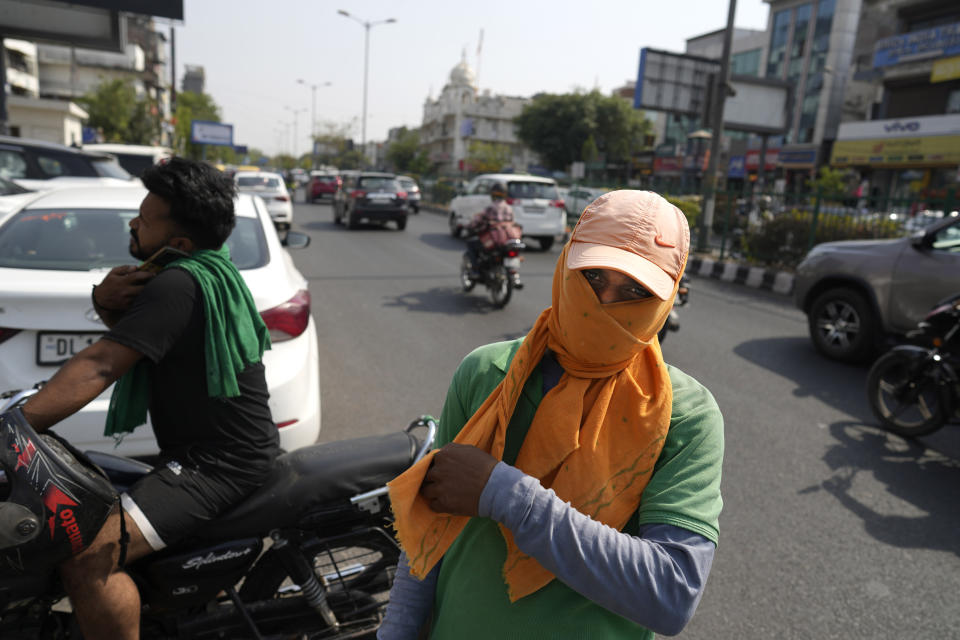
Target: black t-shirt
<point>166,324</point>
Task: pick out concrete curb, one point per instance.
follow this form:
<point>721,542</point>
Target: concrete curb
<point>757,277</point>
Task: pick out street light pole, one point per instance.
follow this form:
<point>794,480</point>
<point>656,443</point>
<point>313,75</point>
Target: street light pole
<point>366,56</point>
<point>313,115</point>
<point>295,112</point>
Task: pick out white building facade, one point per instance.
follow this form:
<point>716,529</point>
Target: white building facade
<point>462,116</point>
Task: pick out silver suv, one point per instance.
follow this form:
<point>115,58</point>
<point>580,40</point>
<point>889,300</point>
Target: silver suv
<point>859,292</point>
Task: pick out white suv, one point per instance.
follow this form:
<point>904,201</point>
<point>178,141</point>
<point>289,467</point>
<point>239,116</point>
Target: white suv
<point>536,205</point>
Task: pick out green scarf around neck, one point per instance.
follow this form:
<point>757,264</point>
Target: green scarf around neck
<point>235,336</point>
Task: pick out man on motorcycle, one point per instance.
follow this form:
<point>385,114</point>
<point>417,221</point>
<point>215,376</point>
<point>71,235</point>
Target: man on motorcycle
<point>185,343</point>
<point>498,211</point>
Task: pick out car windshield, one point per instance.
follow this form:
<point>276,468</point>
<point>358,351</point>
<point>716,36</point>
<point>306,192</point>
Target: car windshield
<point>372,183</point>
<point>257,183</point>
<point>522,190</point>
<point>85,239</point>
<point>325,178</point>
<point>407,183</point>
<point>108,168</point>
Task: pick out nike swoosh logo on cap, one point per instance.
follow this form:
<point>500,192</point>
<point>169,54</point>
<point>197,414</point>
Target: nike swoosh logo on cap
<point>663,243</point>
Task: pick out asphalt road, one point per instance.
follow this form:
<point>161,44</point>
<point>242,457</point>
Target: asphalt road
<point>831,528</point>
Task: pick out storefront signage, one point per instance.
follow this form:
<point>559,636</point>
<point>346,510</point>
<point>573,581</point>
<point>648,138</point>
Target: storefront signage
<point>798,159</point>
<point>918,45</point>
<point>901,128</point>
<point>666,166</point>
<point>753,159</point>
<point>946,69</point>
<point>897,152</point>
<point>737,167</point>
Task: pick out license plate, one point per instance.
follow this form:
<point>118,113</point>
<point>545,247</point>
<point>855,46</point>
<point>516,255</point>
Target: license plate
<point>380,196</point>
<point>529,209</point>
<point>512,263</point>
<point>57,348</point>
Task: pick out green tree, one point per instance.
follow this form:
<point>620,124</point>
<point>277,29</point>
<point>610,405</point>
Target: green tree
<point>405,154</point>
<point>115,110</point>
<point>194,106</point>
<point>831,182</point>
<point>559,128</point>
<point>487,157</point>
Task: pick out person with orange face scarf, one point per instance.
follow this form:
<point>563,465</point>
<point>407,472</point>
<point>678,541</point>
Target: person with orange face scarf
<point>576,492</point>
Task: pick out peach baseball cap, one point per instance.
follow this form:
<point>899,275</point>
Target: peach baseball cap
<point>635,232</point>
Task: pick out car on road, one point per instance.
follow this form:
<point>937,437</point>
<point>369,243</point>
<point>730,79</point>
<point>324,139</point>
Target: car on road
<point>536,203</point>
<point>370,196</point>
<point>413,192</point>
<point>322,185</point>
<point>60,242</point>
<point>38,165</point>
<point>576,199</point>
<point>271,188</point>
<point>856,293</point>
<point>134,158</point>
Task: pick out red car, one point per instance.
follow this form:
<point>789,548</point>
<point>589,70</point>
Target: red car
<point>323,185</point>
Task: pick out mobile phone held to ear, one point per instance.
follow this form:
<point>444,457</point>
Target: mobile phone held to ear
<point>163,257</point>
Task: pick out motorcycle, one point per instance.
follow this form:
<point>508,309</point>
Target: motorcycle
<point>914,389</point>
<point>498,250</point>
<point>673,320</point>
<point>308,555</point>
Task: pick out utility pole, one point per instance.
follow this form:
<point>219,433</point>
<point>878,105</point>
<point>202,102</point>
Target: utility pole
<point>716,128</point>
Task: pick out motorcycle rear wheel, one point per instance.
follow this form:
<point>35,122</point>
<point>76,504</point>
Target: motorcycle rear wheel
<point>356,573</point>
<point>904,396</point>
<point>465,280</point>
<point>500,286</point>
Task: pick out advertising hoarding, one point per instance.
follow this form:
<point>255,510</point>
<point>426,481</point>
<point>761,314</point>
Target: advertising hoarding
<point>215,133</point>
<point>897,152</point>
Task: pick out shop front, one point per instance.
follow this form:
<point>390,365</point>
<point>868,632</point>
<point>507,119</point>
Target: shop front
<point>902,158</point>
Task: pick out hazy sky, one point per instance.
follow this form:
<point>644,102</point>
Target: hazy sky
<point>254,53</point>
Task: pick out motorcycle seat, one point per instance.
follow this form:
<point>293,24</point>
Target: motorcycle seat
<point>313,476</point>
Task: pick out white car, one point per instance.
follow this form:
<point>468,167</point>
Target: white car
<point>536,203</point>
<point>271,188</point>
<point>134,158</point>
<point>576,200</point>
<point>61,242</point>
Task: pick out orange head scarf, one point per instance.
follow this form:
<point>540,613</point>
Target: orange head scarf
<point>597,434</point>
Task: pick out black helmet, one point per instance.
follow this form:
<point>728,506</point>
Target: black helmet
<point>498,190</point>
<point>54,502</point>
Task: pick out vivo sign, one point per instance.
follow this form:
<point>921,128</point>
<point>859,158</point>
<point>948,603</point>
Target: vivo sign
<point>947,125</point>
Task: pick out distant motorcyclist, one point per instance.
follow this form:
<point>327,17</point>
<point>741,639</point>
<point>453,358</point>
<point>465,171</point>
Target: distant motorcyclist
<point>497,212</point>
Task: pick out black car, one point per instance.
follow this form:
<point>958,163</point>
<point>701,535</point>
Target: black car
<point>370,197</point>
<point>30,163</point>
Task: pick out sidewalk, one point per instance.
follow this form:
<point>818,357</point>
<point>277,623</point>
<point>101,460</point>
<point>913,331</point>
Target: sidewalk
<point>709,267</point>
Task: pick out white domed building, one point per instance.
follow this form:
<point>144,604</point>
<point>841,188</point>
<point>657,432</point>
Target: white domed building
<point>460,116</point>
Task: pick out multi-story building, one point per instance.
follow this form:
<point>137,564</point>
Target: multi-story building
<point>901,117</point>
<point>811,46</point>
<point>67,73</point>
<point>29,115</point>
<point>193,78</point>
<point>461,116</point>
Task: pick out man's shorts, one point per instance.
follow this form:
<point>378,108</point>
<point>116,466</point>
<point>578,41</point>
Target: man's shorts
<point>174,500</point>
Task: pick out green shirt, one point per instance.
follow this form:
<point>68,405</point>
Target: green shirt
<point>471,596</point>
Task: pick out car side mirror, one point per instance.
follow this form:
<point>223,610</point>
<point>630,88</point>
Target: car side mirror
<point>295,240</point>
<point>921,241</point>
